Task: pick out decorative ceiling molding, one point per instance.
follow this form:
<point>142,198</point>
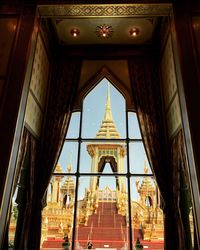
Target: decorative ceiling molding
<point>105,10</point>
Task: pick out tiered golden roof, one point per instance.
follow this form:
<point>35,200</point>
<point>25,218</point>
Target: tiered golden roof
<point>146,186</point>
<point>58,169</point>
<point>108,129</point>
<point>68,186</point>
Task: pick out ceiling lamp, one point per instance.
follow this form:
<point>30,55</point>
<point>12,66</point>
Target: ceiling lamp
<point>75,32</point>
<point>134,31</point>
<point>104,31</point>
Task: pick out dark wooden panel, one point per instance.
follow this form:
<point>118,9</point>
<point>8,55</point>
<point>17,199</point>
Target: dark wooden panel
<point>8,27</point>
<point>196,28</point>
<point>2,81</point>
<point>188,81</point>
<point>12,108</point>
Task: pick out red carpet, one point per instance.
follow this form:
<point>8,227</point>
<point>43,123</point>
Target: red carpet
<point>106,229</point>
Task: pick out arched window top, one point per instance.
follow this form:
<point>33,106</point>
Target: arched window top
<point>104,115</point>
<point>104,73</point>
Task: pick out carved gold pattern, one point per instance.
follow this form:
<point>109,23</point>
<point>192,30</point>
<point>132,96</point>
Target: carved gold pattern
<point>94,10</point>
<point>104,31</point>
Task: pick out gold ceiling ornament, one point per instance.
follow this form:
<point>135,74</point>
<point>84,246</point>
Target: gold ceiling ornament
<point>104,31</point>
<point>108,10</point>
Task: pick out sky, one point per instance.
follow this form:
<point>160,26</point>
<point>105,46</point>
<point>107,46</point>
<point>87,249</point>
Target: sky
<point>93,114</point>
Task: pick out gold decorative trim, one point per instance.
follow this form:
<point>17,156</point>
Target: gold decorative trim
<point>102,10</point>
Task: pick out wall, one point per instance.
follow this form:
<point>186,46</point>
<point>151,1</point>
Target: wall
<point>169,84</point>
<point>196,29</point>
<point>8,27</point>
<point>38,88</point>
<point>18,30</point>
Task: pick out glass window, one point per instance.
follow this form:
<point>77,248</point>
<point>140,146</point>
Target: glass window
<point>102,217</point>
<point>68,157</point>
<point>13,220</point>
<point>133,126</point>
<point>95,158</point>
<point>102,193</point>
<point>104,103</point>
<point>138,159</point>
<point>73,129</point>
<point>146,214</point>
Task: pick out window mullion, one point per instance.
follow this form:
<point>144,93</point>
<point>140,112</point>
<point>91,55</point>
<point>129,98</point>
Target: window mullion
<point>77,181</point>
<point>128,176</point>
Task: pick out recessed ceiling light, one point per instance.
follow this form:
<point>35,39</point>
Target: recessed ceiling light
<point>75,32</point>
<point>134,31</point>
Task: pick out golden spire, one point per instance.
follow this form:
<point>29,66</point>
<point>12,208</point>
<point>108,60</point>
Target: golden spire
<point>145,168</point>
<point>108,129</point>
<point>69,168</point>
<point>108,112</point>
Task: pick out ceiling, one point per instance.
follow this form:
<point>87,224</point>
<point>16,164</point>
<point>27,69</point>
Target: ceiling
<point>120,18</point>
<point>120,30</point>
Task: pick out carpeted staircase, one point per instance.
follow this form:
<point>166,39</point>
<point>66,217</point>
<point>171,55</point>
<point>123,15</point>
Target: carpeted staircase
<point>106,229</point>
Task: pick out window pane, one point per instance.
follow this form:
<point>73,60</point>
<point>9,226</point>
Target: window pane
<point>138,160</point>
<point>73,129</point>
<point>58,215</point>
<point>104,113</point>
<point>68,157</point>
<point>103,157</point>
<point>102,216</point>
<point>133,126</point>
<point>192,229</point>
<point>13,220</point>
<point>147,216</point>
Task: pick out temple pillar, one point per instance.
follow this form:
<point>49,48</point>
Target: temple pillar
<point>94,167</point>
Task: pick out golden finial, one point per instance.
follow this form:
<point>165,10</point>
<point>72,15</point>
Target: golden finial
<point>137,183</point>
<point>69,168</point>
<point>108,113</point>
<point>145,167</point>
